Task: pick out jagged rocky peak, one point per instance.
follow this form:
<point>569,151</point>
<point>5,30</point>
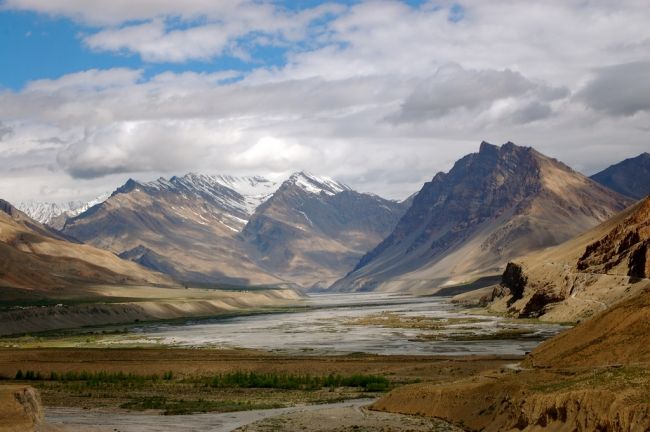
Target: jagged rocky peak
<point>316,184</point>
<point>493,205</point>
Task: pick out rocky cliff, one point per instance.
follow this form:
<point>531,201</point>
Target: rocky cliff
<point>585,275</point>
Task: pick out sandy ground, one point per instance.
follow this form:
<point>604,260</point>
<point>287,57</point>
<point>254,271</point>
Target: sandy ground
<point>348,417</point>
<point>341,416</point>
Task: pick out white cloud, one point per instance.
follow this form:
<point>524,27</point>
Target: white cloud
<point>270,153</point>
<point>154,43</point>
<point>89,80</point>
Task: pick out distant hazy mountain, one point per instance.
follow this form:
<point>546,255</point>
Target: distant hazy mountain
<point>494,205</point>
<point>54,214</point>
<point>185,226</point>
<point>36,262</point>
<point>630,177</point>
<point>313,229</point>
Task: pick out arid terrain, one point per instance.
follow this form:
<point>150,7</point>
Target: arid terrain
<point>595,376</point>
<point>187,379</point>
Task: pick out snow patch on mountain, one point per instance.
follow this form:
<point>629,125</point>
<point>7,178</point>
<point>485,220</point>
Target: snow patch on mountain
<point>317,184</point>
<point>242,194</point>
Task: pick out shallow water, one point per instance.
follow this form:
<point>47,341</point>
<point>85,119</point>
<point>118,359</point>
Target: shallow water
<point>325,329</point>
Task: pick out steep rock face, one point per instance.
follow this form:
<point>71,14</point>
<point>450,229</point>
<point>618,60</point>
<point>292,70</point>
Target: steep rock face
<point>492,206</point>
<point>624,250</point>
<point>630,177</point>
<point>186,226</point>
<point>314,229</point>
<point>571,281</point>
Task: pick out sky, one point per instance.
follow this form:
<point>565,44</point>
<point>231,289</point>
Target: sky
<point>380,95</point>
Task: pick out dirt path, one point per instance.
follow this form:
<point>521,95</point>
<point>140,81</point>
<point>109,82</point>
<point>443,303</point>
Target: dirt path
<point>95,420</point>
<point>347,418</point>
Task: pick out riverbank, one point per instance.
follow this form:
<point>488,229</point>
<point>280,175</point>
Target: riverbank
<point>119,305</point>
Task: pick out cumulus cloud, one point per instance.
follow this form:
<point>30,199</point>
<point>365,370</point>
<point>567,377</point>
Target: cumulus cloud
<point>273,154</point>
<point>141,146</point>
<point>619,90</point>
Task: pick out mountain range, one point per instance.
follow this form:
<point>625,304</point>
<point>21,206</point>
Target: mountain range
<point>55,214</point>
<point>314,232</point>
<point>305,231</point>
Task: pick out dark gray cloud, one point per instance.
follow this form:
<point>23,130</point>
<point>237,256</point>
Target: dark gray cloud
<point>621,90</point>
<point>453,87</point>
<point>531,112</point>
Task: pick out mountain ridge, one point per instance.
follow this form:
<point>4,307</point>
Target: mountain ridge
<point>500,202</point>
<point>630,177</point>
<point>313,229</point>
<point>37,259</point>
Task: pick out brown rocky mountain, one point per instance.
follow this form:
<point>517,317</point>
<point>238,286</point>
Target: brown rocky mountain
<point>630,177</point>
<point>186,227</point>
<point>38,262</point>
<point>313,229</point>
<point>215,229</point>
<point>584,275</point>
<point>492,206</point>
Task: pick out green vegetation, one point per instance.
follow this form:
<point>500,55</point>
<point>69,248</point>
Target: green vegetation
<point>226,392</point>
<point>93,379</point>
<point>369,383</point>
<point>178,407</point>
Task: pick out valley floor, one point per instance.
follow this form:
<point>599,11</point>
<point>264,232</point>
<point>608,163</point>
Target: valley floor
<point>191,373</point>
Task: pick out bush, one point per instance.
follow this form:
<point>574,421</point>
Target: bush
<point>297,382</point>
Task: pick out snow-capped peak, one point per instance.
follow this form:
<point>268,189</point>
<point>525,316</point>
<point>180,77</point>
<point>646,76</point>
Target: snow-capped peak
<point>245,193</point>
<point>47,212</point>
<point>317,184</point>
